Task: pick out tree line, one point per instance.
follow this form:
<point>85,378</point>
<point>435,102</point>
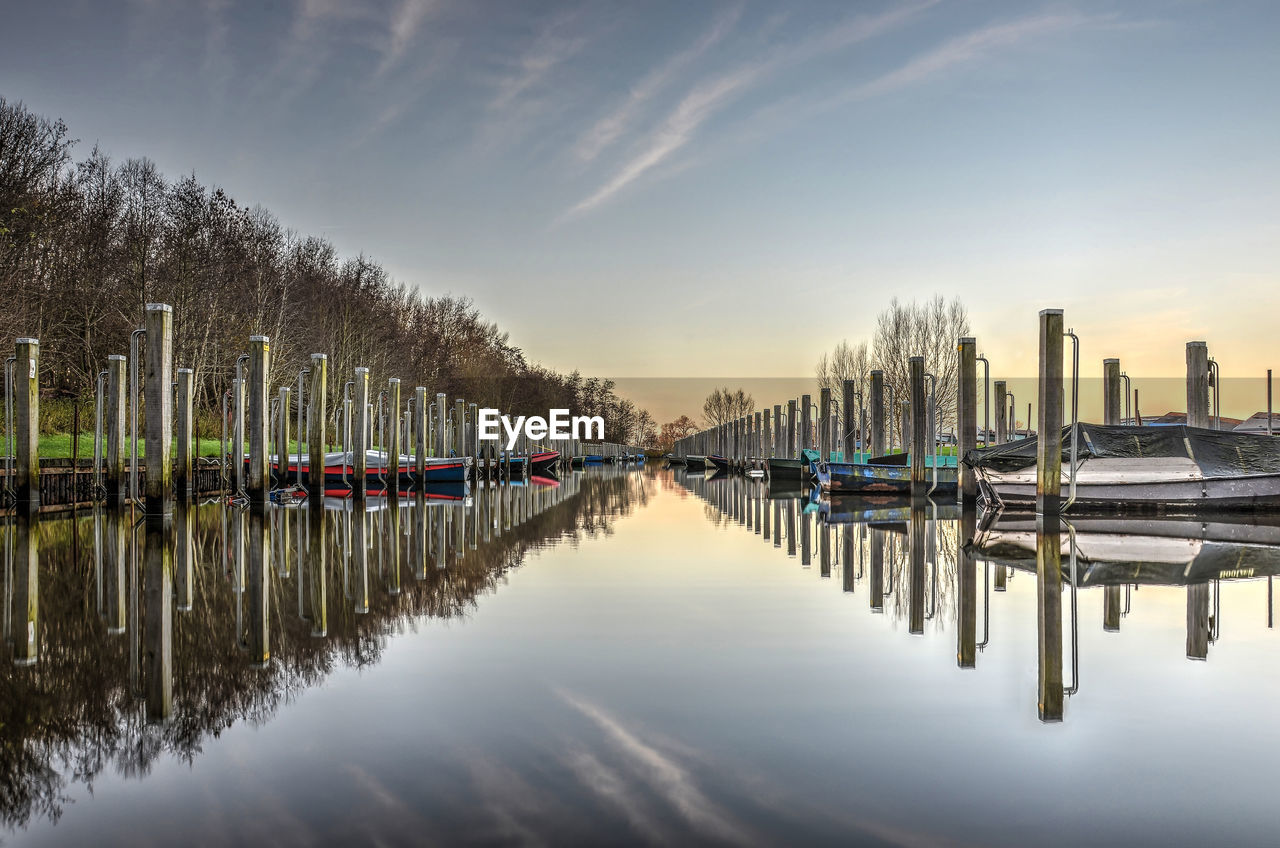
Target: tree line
<point>85,245</point>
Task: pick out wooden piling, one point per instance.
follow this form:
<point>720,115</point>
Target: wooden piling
<point>282,437</point>
<point>317,402</point>
<point>806,422</point>
<point>1198,385</point>
<point>442,425</point>
<point>877,413</point>
<point>919,428</point>
<point>360,457</point>
<point>420,415</point>
<point>967,415</point>
<point>1049,415</point>
<point>393,436</point>
<point>1000,406</point>
<point>849,433</point>
<point>791,452</point>
<point>258,484</point>
<point>114,479</point>
<point>824,426</point>
<point>1111,409</point>
<point>158,394</point>
<point>458,443</point>
<point>182,473</point>
<point>26,410</point>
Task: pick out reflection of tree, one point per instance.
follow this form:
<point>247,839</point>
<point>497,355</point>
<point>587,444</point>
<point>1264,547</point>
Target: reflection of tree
<point>75,713</point>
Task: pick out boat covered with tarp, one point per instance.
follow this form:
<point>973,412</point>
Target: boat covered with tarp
<point>1172,469</point>
<point>886,475</point>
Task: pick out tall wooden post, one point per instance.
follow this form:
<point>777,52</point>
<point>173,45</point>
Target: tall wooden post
<point>850,429</point>
<point>1198,385</point>
<point>420,415</point>
<point>1000,407</point>
<point>117,402</point>
<point>824,426</point>
<point>1111,410</point>
<point>317,443</point>
<point>792,430</point>
<point>159,399</point>
<point>442,424</point>
<point>919,428</point>
<point>1049,415</point>
<point>967,416</point>
<point>360,458</point>
<point>393,436</point>
<point>806,422</point>
<point>876,403</point>
<point>26,410</point>
<point>258,486</point>
<point>182,476</point>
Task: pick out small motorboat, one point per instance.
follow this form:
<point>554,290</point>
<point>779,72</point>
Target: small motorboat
<point>886,475</point>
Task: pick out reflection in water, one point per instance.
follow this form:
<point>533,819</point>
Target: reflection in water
<point>125,682</point>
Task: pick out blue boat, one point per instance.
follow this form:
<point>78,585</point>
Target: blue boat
<point>885,475</point>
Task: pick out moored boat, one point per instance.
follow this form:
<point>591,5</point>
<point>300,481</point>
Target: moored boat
<point>886,475</point>
<point>799,468</point>
<point>339,470</point>
<point>693,462</point>
<point>720,462</point>
<point>1169,469</point>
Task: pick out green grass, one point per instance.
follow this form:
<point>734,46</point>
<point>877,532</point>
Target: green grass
<point>58,446</point>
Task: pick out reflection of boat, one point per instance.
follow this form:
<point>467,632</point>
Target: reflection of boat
<point>800,468</point>
<point>674,460</point>
<point>1111,550</point>
<point>1159,469</point>
<point>893,509</point>
<point>436,493</point>
<point>719,462</point>
<point>885,475</point>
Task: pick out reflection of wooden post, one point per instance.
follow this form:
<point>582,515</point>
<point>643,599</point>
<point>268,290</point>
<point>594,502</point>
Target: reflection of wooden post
<point>1049,615</point>
<point>1000,580</point>
<point>158,639</point>
<point>360,560</point>
<point>876,570</point>
<point>1198,621</point>
<point>915,602</point>
<point>847,567</point>
<point>184,557</point>
<point>1111,608</point>
<point>791,527</point>
<point>804,540</point>
<point>418,538</point>
<point>26,410</point>
<point>259,587</point>
<point>824,549</point>
<point>317,568</point>
<point>26,575</point>
<point>113,613</point>
<point>391,541</point>
<point>1049,416</point>
<point>777,523</point>
<point>967,591</point>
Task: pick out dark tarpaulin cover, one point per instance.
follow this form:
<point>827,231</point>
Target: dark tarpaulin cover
<point>1217,453</point>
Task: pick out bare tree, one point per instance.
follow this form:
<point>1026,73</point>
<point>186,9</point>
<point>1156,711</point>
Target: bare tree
<point>930,329</point>
<point>724,405</point>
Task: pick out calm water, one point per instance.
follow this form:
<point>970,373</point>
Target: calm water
<point>637,657</point>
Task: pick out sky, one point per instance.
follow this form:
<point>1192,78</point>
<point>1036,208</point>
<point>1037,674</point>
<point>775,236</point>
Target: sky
<point>724,190</point>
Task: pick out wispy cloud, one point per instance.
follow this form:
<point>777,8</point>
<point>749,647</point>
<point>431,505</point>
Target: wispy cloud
<point>406,20</point>
<point>708,97</point>
<point>607,130</point>
<point>555,45</point>
<point>970,48</point>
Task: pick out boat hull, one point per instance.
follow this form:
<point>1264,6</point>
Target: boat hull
<point>695,463</point>
<point>1259,492</point>
<point>860,479</point>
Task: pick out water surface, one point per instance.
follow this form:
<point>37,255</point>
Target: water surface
<point>636,657</point>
